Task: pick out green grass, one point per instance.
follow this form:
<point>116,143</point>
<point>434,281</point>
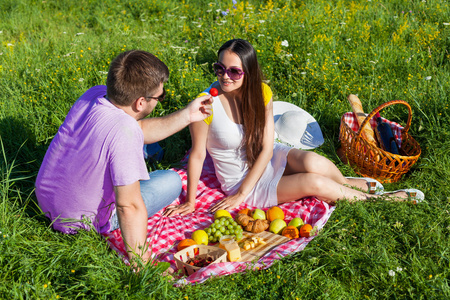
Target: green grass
<point>52,51</point>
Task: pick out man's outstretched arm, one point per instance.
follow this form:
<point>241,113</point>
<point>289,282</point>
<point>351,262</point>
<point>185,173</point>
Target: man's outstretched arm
<point>156,129</point>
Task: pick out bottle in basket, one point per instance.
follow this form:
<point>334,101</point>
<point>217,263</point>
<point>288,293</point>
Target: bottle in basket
<point>385,136</point>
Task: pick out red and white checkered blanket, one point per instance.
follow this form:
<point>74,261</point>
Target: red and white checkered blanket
<point>163,233</point>
<point>352,122</point>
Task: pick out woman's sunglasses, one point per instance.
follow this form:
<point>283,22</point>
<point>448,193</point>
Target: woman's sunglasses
<point>232,72</point>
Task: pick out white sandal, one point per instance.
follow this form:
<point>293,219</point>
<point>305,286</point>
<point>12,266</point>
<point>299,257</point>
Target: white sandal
<point>375,187</point>
<point>414,195</point>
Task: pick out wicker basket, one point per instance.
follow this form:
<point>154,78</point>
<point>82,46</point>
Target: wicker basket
<point>217,254</point>
<point>368,160</point>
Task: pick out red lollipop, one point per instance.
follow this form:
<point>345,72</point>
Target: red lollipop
<point>214,92</point>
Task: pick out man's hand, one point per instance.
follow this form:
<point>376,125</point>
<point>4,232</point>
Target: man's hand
<point>156,129</point>
<point>200,108</point>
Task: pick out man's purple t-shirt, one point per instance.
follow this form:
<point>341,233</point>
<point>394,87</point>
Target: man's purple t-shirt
<point>97,147</point>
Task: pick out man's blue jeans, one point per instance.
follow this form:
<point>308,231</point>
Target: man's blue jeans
<point>161,190</point>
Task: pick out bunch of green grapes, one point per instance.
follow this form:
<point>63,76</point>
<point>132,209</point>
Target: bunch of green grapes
<point>224,226</point>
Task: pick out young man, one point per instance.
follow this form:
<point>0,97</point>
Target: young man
<point>94,171</point>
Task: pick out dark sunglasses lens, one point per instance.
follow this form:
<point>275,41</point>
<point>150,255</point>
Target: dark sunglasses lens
<point>234,73</point>
<point>219,70</point>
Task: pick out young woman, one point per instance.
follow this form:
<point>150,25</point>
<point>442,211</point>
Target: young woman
<point>239,136</point>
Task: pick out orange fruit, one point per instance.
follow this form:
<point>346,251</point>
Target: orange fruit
<point>305,230</point>
<point>245,211</point>
<point>290,232</point>
<point>274,213</point>
<point>185,243</point>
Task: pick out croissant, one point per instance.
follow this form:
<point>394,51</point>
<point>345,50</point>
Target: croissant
<point>249,226</point>
<point>257,226</point>
<point>243,219</point>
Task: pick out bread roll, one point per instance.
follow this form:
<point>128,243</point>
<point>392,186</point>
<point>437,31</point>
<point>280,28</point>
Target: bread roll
<point>367,132</point>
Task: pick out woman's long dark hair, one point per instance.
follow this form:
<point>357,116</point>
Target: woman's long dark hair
<point>253,108</point>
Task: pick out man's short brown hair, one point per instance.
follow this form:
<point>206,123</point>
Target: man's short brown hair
<point>134,74</point>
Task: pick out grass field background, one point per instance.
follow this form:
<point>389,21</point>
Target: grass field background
<point>313,53</point>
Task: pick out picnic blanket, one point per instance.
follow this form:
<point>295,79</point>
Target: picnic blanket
<point>163,233</point>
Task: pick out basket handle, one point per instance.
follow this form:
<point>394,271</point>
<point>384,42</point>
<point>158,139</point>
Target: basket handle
<point>384,105</point>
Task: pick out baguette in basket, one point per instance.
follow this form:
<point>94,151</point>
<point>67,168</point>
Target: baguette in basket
<point>366,132</point>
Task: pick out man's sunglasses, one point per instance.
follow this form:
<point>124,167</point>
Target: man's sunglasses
<point>232,72</point>
<point>159,98</point>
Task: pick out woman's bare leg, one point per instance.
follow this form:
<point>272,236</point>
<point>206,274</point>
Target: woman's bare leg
<point>300,161</point>
<point>300,185</point>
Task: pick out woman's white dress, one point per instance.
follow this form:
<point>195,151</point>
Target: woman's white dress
<point>224,145</point>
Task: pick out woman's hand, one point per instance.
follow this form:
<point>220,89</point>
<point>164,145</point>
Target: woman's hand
<point>182,209</point>
<point>228,203</point>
